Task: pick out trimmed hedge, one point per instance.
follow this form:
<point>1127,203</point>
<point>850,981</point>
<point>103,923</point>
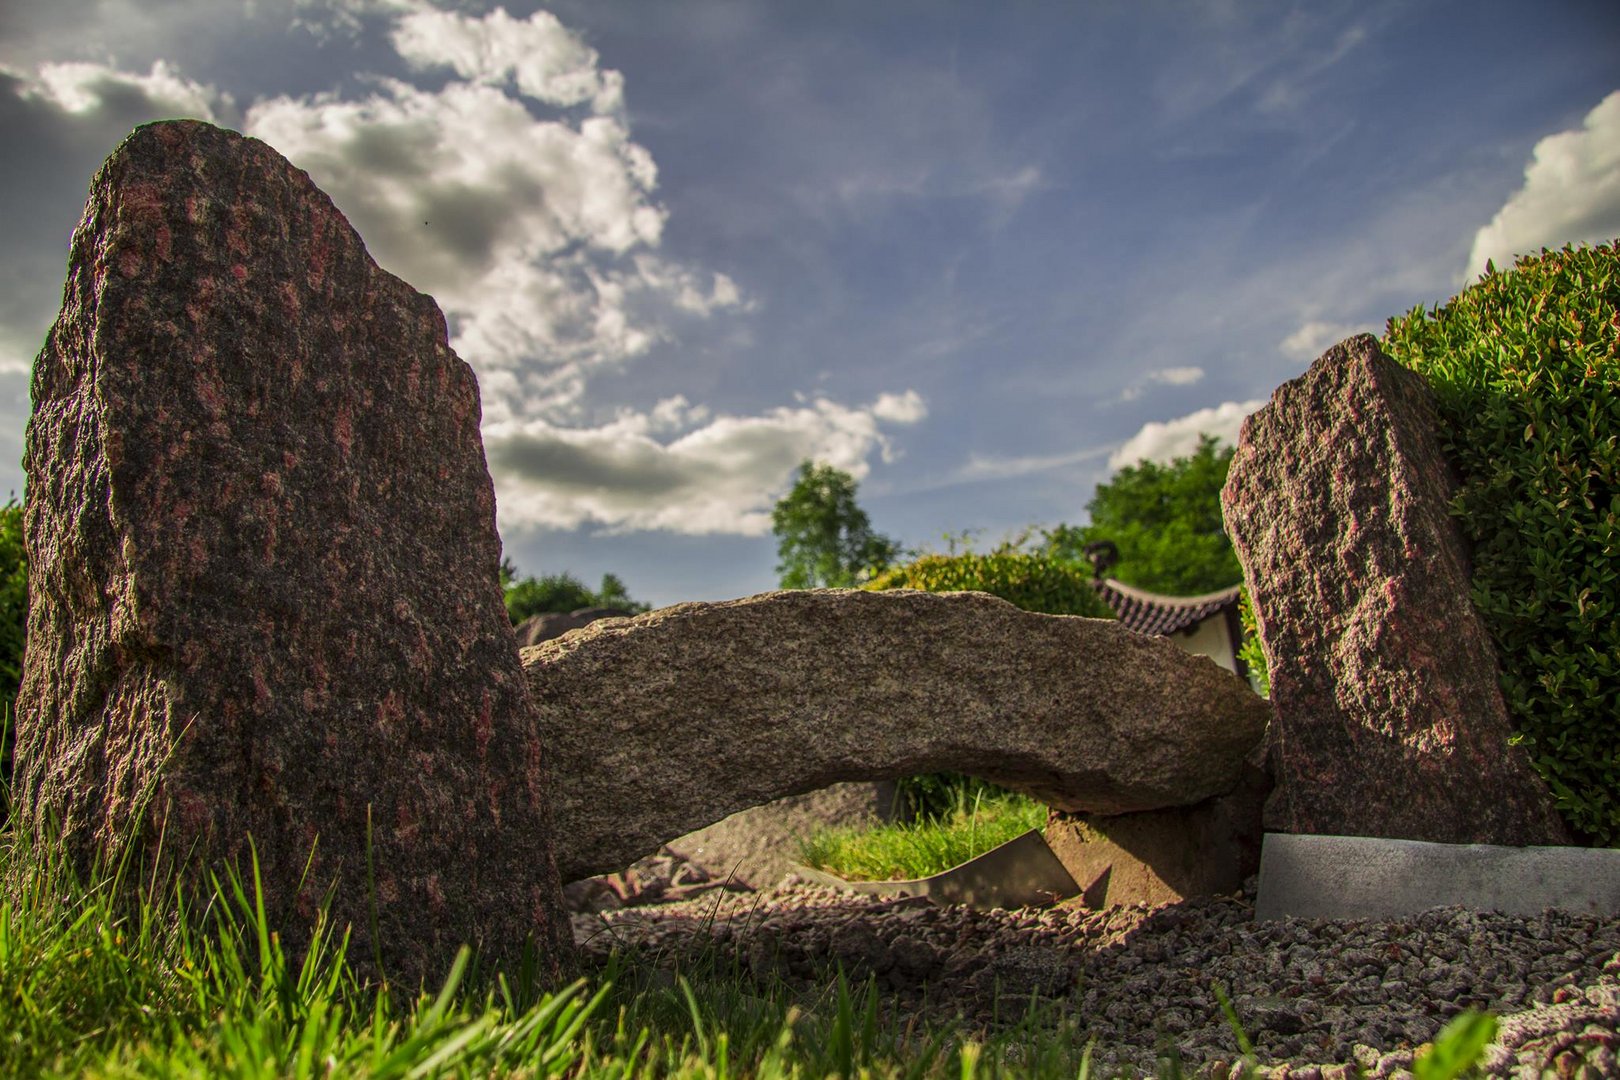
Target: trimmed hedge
<point>1526,366</point>
<point>1032,582</point>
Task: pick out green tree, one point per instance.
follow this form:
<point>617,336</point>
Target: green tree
<point>526,596</point>
<point>824,539</point>
<point>1166,522</point>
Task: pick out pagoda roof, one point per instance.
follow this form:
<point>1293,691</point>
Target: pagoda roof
<point>1155,613</point>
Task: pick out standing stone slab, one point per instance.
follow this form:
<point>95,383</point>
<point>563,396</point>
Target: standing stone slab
<point>263,569</point>
<point>1388,720</point>
<point>670,721</point>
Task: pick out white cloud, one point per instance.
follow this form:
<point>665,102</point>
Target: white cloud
<point>721,477</point>
<point>538,237</point>
<point>1163,441</point>
<point>546,61</point>
<point>979,467</point>
<point>17,350</point>
<point>906,408</point>
<point>1171,376</point>
<point>87,91</point>
<point>1314,338</point>
<point>1571,194</point>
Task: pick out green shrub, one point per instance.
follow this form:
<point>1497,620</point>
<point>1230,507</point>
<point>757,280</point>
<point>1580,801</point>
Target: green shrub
<point>1526,366</point>
<point>1250,652</point>
<point>1032,582</point>
<point>559,593</point>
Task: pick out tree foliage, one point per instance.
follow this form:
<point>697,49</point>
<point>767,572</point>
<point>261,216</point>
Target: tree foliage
<point>824,538</point>
<point>1166,522</point>
<point>561,593</point>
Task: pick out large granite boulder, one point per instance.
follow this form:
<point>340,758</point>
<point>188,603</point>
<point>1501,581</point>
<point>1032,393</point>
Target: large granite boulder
<point>552,624</point>
<point>1388,716</point>
<point>667,722</point>
<point>263,569</point>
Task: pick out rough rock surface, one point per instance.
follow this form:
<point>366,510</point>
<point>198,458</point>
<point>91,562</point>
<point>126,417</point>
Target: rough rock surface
<point>1388,717</point>
<point>759,846</point>
<point>551,624</point>
<point>1319,999</point>
<point>1159,856</point>
<point>670,721</point>
<point>263,569</point>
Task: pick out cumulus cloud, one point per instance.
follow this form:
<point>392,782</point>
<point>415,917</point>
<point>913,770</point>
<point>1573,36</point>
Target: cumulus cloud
<point>1163,441</point>
<point>88,91</point>
<point>721,476</point>
<point>1171,376</point>
<point>1571,194</point>
<point>538,54</point>
<point>515,194</point>
<point>17,349</point>
<point>906,408</point>
<point>1314,338</point>
<point>538,237</point>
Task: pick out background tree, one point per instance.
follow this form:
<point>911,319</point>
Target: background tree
<point>561,593</point>
<point>1166,522</point>
<point>824,539</point>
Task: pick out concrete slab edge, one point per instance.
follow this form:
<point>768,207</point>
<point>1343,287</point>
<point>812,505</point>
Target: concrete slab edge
<point>1023,872</point>
<point>1363,877</point>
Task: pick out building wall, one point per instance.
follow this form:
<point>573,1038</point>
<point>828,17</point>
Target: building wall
<point>1209,638</point>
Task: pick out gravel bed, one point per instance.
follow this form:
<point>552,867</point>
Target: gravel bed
<point>1317,998</point>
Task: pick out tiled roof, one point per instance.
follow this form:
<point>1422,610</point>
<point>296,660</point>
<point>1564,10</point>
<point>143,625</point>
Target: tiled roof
<point>1151,613</point>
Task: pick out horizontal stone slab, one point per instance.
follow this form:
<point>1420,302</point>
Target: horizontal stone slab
<point>667,722</point>
<point>1362,877</point>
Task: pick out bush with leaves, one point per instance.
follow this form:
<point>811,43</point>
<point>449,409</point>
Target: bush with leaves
<point>560,593</point>
<point>1526,367</point>
<point>1251,652</point>
<point>1031,581</point>
<point>1034,582</point>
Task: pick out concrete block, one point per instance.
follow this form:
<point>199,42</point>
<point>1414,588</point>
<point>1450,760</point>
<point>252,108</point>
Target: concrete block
<point>1362,877</point>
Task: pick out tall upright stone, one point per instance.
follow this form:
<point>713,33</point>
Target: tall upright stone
<point>1387,715</point>
<point>263,566</point>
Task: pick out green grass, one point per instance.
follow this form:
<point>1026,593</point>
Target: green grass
<point>98,986</point>
<point>905,851</point>
<point>91,985</point>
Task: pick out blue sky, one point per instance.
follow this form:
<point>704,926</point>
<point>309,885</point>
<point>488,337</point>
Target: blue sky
<point>980,255</point>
